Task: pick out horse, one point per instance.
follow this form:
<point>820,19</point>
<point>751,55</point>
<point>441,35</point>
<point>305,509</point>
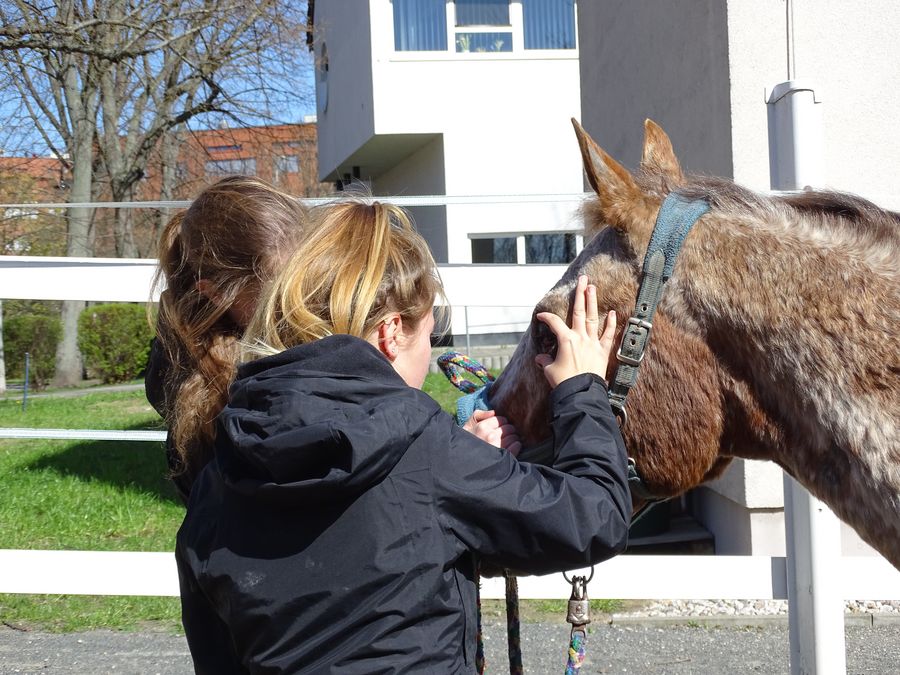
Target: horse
<point>777,337</point>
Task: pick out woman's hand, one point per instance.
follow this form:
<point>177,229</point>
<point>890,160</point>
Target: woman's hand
<point>493,429</point>
<point>581,348</point>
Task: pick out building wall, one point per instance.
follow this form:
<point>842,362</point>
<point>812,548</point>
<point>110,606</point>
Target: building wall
<point>343,30</point>
<point>702,69</point>
<point>503,120</point>
<point>207,155</point>
<point>668,61</point>
<point>851,52</point>
<point>421,173</point>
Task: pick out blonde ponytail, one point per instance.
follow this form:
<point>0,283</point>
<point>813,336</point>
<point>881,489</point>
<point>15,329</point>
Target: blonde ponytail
<point>359,263</point>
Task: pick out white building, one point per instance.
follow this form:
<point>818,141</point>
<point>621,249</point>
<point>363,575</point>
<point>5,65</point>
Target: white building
<point>702,70</point>
<point>472,97</point>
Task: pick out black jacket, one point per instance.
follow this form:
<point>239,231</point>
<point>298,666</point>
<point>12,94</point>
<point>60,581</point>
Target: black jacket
<point>335,531</point>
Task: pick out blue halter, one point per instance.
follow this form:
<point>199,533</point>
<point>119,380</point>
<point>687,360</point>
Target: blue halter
<point>677,216</point>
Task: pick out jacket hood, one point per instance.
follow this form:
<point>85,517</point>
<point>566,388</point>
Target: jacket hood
<point>324,420</point>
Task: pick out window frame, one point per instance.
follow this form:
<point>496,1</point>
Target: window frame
<point>521,246</point>
<point>516,27</point>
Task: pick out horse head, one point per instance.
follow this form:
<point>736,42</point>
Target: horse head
<point>753,352</point>
<point>678,414</point>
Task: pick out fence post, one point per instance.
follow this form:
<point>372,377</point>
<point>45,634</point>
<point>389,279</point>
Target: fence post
<point>468,340</point>
<point>25,387</point>
<point>813,544</point>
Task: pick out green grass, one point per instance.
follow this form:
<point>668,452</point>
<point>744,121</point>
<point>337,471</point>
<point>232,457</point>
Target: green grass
<point>86,495</point>
<point>113,496</point>
<point>547,611</point>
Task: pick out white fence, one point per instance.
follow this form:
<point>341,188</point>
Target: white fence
<point>149,573</point>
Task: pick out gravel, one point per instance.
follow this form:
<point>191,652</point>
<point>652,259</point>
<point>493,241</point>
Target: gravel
<point>676,637</point>
<point>748,608</point>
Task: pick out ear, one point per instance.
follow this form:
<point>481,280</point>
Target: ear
<point>607,177</point>
<point>620,202</point>
<point>659,157</point>
<point>388,336</point>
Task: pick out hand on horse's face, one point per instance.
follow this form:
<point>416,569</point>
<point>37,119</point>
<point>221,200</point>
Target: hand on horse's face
<point>581,348</point>
<point>491,428</point>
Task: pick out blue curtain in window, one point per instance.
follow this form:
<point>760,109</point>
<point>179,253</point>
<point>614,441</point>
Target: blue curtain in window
<point>549,24</point>
<point>420,25</point>
<point>482,12</point>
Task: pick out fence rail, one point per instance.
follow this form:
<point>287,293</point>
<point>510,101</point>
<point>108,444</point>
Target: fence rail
<point>639,577</point>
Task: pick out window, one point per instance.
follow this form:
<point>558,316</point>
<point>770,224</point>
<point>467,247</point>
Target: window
<point>223,148</point>
<point>287,164</point>
<point>484,25</point>
<point>231,167</point>
<point>552,249</point>
<point>497,250</point>
<point>480,19</point>
<point>420,25</point>
<point>549,24</point>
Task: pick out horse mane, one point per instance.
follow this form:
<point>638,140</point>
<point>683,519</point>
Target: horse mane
<point>841,213</point>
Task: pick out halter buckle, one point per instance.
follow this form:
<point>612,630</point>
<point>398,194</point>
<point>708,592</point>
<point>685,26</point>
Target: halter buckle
<point>634,323</point>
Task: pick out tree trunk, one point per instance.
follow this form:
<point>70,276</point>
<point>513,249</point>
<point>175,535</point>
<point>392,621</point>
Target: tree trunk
<point>170,145</point>
<point>69,367</point>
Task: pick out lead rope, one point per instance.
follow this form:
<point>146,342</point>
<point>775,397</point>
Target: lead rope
<point>451,364</point>
<point>579,615</point>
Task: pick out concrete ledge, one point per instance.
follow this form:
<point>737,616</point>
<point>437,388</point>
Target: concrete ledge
<point>745,621</point>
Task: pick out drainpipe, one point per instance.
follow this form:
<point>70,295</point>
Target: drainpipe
<point>812,532</point>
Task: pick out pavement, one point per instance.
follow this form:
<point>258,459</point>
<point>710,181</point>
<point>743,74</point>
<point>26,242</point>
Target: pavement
<point>653,646</point>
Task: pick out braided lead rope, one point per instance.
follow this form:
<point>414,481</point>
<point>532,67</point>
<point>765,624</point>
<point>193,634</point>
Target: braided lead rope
<point>513,626</point>
<point>579,615</point>
<point>451,363</point>
<point>576,651</point>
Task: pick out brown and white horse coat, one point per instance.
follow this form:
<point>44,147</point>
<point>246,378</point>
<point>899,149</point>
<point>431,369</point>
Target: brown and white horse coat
<point>776,338</point>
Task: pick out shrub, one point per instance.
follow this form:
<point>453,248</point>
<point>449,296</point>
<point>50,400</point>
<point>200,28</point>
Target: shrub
<point>114,340</point>
<point>38,336</point>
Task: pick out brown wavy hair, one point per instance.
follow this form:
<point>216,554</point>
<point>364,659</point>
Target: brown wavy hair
<point>358,263</point>
<point>232,239</point>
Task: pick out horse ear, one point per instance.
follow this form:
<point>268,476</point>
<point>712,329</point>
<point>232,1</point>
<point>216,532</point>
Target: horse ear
<point>620,202</point>
<point>608,178</point>
<point>659,157</point>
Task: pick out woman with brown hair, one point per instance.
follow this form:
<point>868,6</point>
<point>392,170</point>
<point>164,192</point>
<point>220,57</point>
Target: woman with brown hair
<point>214,259</point>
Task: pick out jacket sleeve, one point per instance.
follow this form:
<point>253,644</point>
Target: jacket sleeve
<point>536,519</point>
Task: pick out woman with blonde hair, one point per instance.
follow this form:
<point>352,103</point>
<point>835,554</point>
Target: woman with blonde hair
<point>214,259</point>
<point>338,528</point>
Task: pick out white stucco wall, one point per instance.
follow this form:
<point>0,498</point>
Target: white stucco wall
<point>343,27</point>
<point>852,53</point>
<point>701,70</point>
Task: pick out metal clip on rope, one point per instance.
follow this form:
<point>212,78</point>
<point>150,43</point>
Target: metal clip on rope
<point>579,615</point>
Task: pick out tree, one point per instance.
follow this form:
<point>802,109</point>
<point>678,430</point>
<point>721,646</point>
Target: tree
<point>105,84</point>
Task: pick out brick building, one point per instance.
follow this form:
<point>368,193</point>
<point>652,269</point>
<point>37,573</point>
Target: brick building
<point>283,154</point>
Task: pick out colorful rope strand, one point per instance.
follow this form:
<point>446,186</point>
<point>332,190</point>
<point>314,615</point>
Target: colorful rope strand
<point>576,651</point>
<point>453,364</point>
